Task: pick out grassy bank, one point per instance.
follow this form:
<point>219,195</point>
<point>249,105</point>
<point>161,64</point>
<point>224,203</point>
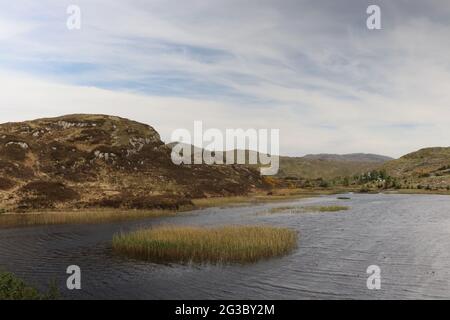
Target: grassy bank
<point>13,288</point>
<point>416,191</point>
<point>277,195</point>
<point>294,209</point>
<point>74,217</point>
<point>228,244</point>
<point>101,215</point>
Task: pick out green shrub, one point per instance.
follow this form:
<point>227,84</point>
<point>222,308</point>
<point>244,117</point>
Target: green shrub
<point>13,288</point>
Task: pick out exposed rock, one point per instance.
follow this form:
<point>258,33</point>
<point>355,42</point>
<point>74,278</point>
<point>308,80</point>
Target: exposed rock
<point>98,160</point>
<point>23,145</point>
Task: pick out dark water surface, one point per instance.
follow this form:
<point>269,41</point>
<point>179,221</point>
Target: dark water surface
<point>407,236</point>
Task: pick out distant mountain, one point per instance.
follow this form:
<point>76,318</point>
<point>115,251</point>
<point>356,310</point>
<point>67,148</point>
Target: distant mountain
<point>429,166</point>
<point>99,160</point>
<point>352,157</point>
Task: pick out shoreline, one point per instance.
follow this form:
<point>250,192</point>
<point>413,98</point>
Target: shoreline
<point>105,215</point>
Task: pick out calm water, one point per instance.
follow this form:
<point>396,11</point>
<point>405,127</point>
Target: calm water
<point>407,236</point>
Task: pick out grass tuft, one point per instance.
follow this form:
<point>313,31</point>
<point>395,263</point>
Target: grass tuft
<point>227,244</point>
<point>293,209</point>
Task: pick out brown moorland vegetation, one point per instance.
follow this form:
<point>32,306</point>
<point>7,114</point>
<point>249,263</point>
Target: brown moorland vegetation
<point>92,161</point>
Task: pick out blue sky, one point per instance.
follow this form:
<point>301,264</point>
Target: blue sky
<point>309,68</point>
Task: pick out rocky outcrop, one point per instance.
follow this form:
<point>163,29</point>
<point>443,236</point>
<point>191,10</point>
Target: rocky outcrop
<point>81,161</point>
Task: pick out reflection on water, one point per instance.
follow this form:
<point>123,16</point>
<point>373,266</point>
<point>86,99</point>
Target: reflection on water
<point>408,236</point>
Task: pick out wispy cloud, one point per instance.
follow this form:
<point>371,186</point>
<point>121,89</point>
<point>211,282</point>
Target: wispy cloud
<point>310,68</point>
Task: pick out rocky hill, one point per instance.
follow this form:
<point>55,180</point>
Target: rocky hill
<point>428,167</point>
<point>98,160</point>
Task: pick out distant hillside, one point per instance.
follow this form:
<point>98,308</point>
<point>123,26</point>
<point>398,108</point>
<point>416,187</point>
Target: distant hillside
<point>315,166</point>
<point>352,157</point>
<point>330,166</point>
<point>99,160</point>
<point>429,166</point>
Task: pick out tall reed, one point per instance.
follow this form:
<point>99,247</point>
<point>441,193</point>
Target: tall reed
<point>226,244</point>
<point>74,217</point>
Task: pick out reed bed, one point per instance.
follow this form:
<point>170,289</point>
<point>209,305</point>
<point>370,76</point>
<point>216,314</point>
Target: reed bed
<point>292,209</point>
<point>77,217</point>
<point>226,244</point>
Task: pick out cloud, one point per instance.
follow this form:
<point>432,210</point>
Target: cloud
<point>310,68</point>
<point>10,28</point>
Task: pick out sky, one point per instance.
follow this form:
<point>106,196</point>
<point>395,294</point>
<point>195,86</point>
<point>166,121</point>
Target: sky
<point>310,68</point>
